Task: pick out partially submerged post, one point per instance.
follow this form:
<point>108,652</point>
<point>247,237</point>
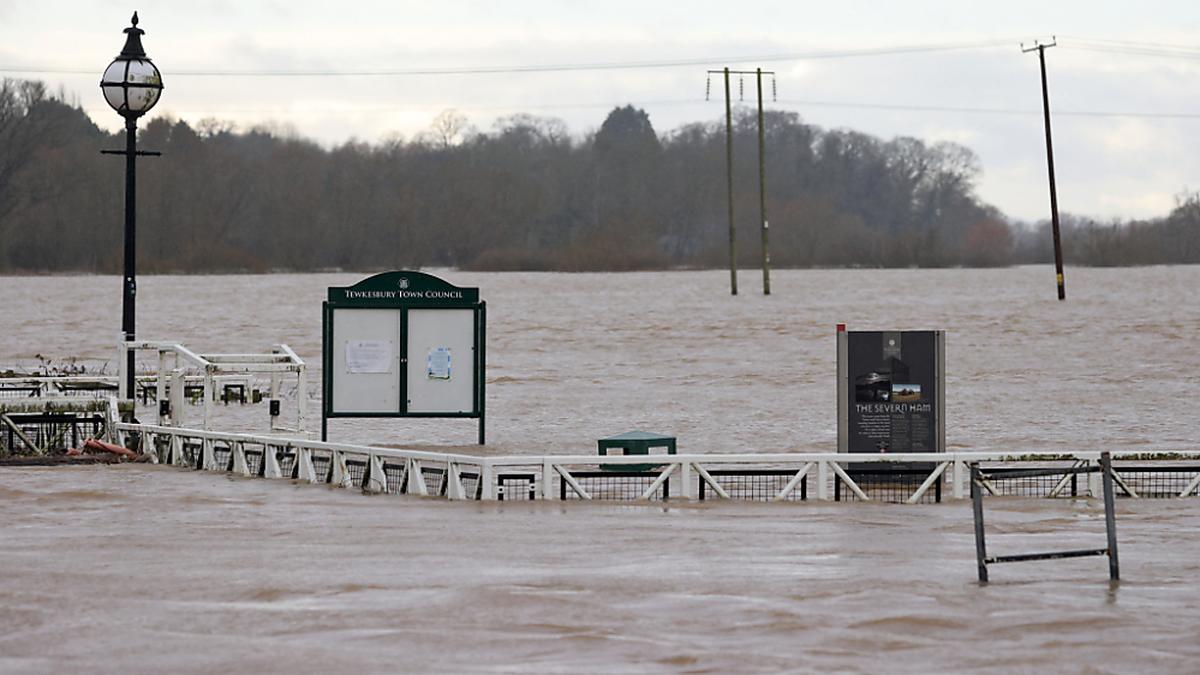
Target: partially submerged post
<point>762,185</point>
<point>762,176</point>
<point>729,186</point>
<point>1058,256</point>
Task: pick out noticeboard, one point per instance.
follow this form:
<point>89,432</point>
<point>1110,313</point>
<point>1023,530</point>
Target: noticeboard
<point>891,391</point>
<point>403,344</point>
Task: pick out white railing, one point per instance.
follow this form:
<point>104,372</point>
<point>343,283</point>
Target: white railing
<point>177,365</point>
<point>62,412</point>
<point>551,476</point>
<point>34,386</point>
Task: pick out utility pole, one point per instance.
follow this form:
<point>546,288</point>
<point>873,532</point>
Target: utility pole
<point>762,176</point>
<point>762,188</point>
<point>729,186</point>
<point>1058,257</point>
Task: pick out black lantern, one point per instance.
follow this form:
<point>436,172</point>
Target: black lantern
<point>131,85</point>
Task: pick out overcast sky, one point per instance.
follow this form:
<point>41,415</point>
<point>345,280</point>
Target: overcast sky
<point>1141,60</point>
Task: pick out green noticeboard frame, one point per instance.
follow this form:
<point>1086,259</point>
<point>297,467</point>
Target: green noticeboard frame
<point>374,335</point>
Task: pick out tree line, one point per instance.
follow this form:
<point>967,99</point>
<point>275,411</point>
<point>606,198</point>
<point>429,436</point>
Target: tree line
<point>524,195</point>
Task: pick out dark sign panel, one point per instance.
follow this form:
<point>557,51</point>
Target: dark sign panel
<point>891,383</point>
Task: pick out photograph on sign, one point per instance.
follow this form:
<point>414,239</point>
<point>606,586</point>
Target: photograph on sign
<point>368,356</point>
<point>438,363</point>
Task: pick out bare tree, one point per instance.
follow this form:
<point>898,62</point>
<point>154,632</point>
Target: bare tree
<point>448,127</point>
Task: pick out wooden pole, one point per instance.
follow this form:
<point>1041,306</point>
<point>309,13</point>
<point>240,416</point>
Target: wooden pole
<point>729,186</point>
<point>1058,256</point>
<point>762,189</point>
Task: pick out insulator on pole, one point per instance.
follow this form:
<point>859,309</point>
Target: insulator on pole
<point>707,87</point>
<point>774,97</point>
<point>741,88</point>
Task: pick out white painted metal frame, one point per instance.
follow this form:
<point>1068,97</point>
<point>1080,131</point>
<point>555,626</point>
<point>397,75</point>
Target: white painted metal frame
<point>180,364</point>
<point>829,466</point>
<point>109,406</point>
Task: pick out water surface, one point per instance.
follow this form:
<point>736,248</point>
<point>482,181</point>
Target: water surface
<point>153,569</point>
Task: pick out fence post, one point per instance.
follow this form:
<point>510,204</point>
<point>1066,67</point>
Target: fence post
<point>177,397</point>
<point>377,481</point>
<point>208,458</point>
<point>487,474</point>
<point>687,484</point>
<point>958,478</point>
<point>160,388</point>
<point>301,402</point>
<point>341,473</point>
<point>208,400</point>
<point>1094,481</point>
<point>240,466</point>
<point>547,480</point>
<point>416,479</point>
<point>1110,517</point>
<point>977,506</point>
<point>304,465</point>
<point>270,462</point>
<point>822,480</point>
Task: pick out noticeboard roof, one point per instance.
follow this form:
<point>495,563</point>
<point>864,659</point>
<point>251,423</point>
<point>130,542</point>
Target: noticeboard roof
<point>403,288</point>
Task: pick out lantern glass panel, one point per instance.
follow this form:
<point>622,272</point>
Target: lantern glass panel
<point>114,93</point>
<point>145,84</point>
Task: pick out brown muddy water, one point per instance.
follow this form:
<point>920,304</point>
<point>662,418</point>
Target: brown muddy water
<point>152,569</point>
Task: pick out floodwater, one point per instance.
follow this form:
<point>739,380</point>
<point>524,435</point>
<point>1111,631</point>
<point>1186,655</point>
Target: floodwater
<point>576,357</point>
<point>141,568</point>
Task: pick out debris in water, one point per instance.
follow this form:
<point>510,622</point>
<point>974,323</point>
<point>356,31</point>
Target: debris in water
<point>92,451</point>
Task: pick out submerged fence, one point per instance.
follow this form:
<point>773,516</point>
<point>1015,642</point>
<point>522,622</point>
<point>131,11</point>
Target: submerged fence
<point>909,477</point>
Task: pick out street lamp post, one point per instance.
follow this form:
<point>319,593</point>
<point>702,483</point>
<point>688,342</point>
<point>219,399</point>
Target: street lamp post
<point>131,85</point>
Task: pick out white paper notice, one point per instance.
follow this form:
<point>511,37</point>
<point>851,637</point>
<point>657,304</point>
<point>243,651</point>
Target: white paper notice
<point>438,363</point>
<point>368,356</point>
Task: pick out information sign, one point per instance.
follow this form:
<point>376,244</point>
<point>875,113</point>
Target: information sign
<point>891,393</point>
<point>403,344</point>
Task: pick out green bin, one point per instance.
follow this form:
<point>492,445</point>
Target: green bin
<point>634,443</point>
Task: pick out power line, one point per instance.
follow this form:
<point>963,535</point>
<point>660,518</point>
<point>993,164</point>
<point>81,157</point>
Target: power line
<point>987,111</point>
<point>585,105</point>
<point>1081,43</point>
<point>550,68</point>
<point>1133,51</point>
<point>1133,43</point>
<point>1130,47</point>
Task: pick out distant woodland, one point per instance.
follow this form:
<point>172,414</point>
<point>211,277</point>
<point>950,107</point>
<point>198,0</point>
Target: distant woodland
<point>525,195</point>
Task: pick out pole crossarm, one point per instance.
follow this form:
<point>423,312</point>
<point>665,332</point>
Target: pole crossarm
<point>136,153</point>
<point>1038,44</point>
<point>741,72</point>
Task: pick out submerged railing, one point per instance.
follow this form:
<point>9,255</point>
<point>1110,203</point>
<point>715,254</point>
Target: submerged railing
<point>904,477</point>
